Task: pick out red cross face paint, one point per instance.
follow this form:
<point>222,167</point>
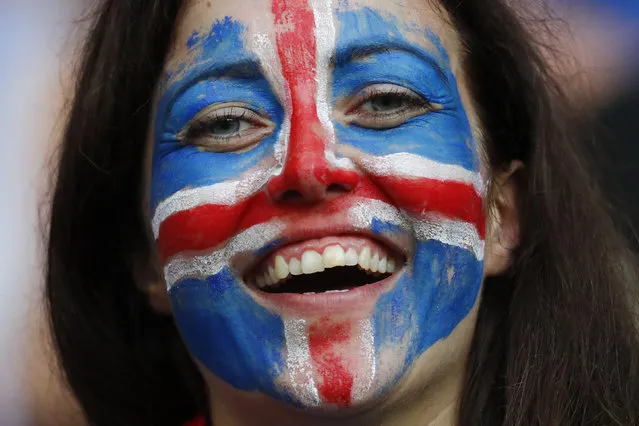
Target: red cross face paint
<point>317,199</point>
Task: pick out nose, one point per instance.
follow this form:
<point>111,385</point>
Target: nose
<point>307,176</point>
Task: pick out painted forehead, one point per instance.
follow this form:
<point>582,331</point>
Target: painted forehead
<point>414,21</point>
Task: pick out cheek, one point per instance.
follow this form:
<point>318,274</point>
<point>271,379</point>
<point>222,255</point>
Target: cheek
<point>180,179</point>
<point>236,339</point>
<point>448,200</point>
<point>436,293</point>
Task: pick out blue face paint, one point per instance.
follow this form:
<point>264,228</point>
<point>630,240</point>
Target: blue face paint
<point>210,315</point>
<point>428,303</point>
<point>443,135</point>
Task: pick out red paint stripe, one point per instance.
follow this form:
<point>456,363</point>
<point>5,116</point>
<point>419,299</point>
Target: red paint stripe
<point>450,199</point>
<point>211,225</point>
<point>305,165</point>
<point>326,342</point>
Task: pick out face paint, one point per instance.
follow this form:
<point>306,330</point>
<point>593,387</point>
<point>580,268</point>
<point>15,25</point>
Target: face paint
<point>411,193</point>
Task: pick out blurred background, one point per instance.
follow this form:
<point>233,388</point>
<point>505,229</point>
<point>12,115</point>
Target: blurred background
<point>38,43</point>
<point>37,40</point>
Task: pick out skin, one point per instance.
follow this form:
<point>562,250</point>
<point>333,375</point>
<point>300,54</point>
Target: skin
<point>414,373</point>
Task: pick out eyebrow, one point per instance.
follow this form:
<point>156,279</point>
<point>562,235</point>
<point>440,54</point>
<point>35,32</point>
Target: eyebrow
<point>250,68</point>
<point>363,49</point>
<point>242,69</point>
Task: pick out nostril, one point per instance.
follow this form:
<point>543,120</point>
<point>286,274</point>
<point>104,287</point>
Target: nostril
<point>293,187</point>
<point>291,196</point>
<point>337,188</point>
<point>294,196</point>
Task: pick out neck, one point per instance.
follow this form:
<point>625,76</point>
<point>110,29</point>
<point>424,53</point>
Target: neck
<point>232,409</point>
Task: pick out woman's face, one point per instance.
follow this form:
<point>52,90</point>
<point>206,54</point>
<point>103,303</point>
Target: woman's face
<point>317,196</point>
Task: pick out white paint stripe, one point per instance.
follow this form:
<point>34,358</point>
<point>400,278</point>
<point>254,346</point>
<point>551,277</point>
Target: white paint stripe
<point>456,233</point>
<point>325,40</point>
<point>270,62</point>
<point>339,162</point>
<point>266,52</point>
<point>299,363</point>
<point>251,240</point>
<point>325,46</point>
<point>223,193</point>
<point>361,215</point>
<point>367,369</point>
<point>452,232</point>
<point>404,164</point>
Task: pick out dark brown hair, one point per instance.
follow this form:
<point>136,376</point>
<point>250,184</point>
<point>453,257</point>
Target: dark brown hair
<point>556,340</point>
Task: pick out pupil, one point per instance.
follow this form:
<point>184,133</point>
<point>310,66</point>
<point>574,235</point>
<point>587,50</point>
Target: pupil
<point>386,103</point>
<point>225,126</point>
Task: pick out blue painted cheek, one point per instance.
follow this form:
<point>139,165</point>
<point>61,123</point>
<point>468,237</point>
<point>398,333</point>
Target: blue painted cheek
<point>438,136</point>
<point>188,166</point>
<point>425,307</point>
<point>234,337</point>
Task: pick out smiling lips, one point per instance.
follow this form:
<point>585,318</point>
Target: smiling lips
<point>324,265</point>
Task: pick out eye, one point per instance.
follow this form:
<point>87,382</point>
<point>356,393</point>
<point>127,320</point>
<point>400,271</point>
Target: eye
<point>226,127</point>
<point>384,106</point>
<point>384,103</point>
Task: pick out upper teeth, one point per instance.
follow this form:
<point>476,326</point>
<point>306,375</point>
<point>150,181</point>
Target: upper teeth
<point>333,256</point>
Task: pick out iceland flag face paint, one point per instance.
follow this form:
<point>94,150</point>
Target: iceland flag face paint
<point>316,199</point>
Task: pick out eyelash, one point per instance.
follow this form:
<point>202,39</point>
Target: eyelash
<point>199,128</point>
<point>413,105</point>
<point>198,131</point>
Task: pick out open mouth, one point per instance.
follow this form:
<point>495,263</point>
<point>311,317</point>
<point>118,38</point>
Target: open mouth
<point>327,265</point>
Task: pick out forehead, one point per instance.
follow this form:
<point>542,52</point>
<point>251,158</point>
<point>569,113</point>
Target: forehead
<point>415,19</point>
